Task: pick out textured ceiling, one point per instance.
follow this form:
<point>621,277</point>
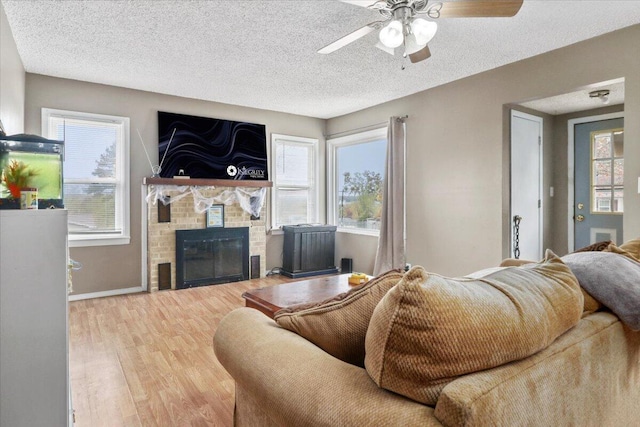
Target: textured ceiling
<point>262,54</point>
<point>579,100</point>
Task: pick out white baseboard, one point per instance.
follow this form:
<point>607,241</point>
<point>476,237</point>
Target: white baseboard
<point>111,293</point>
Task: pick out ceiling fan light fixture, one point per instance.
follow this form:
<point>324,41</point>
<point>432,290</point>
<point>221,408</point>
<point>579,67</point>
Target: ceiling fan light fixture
<point>382,47</point>
<point>391,35</point>
<point>411,44</point>
<point>602,94</point>
<point>423,30</point>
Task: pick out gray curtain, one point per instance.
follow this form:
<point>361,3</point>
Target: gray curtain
<point>391,244</point>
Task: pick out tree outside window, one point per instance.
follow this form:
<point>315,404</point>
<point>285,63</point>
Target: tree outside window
<point>356,166</point>
<point>361,200</point>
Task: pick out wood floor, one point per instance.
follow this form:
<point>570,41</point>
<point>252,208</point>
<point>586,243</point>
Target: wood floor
<point>147,359</point>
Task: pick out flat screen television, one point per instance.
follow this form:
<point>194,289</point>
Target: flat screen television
<point>204,147</point>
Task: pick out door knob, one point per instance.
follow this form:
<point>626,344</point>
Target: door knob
<point>580,218</point>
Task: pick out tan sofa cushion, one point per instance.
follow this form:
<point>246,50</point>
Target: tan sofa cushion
<point>339,325</point>
<point>430,329</point>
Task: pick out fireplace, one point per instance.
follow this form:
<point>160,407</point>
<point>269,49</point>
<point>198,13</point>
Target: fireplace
<point>211,256</point>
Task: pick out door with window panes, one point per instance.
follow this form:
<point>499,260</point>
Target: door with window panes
<point>599,182</point>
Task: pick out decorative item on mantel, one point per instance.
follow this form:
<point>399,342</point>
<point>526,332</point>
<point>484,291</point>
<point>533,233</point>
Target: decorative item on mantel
<point>215,216</point>
<point>155,169</point>
<point>250,200</point>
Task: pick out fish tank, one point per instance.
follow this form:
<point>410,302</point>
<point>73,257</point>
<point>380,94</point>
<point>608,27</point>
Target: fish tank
<point>43,159</point>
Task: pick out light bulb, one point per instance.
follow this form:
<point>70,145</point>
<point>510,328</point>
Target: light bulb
<point>391,35</point>
<point>423,30</point>
<point>411,45</point>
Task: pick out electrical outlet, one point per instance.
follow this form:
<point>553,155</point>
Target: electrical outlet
<point>407,266</point>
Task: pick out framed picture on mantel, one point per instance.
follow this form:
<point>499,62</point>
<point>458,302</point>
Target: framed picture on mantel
<point>215,216</point>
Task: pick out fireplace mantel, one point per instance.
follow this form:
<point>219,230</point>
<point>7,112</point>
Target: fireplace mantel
<point>207,182</point>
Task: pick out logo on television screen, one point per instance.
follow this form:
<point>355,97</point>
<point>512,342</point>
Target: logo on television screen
<point>253,173</point>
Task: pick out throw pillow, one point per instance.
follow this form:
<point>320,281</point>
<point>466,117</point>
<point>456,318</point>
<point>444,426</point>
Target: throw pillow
<point>591,305</point>
<point>339,325</point>
<point>430,329</point>
<point>612,279</point>
<point>633,247</point>
<point>630,249</point>
<point>596,247</point>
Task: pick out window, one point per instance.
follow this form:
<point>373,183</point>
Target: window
<point>355,176</point>
<point>607,165</point>
<point>96,174</point>
<point>295,183</point>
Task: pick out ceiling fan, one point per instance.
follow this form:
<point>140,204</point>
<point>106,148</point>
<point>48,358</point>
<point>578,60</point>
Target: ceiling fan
<point>403,23</point>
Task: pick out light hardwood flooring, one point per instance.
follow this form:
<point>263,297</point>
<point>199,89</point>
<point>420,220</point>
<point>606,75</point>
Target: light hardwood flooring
<point>147,359</point>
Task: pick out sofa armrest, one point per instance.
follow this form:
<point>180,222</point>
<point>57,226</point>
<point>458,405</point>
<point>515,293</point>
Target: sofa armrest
<point>588,376</point>
<point>296,383</point>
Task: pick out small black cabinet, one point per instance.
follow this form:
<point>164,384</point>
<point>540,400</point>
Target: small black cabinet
<point>309,250</point>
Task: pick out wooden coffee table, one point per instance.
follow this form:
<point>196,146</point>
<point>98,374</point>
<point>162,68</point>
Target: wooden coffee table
<point>272,298</point>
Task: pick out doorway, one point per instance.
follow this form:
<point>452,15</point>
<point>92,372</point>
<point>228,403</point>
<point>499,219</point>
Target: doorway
<point>526,186</point>
<point>596,198</point>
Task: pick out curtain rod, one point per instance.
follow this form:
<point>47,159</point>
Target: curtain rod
<point>363,128</point>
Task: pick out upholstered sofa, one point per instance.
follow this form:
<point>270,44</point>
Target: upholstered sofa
<point>583,370</point>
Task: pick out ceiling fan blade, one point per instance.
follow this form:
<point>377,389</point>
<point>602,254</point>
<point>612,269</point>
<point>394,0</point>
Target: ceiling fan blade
<point>351,37</point>
<point>369,4</point>
<point>420,55</point>
<point>480,8</point>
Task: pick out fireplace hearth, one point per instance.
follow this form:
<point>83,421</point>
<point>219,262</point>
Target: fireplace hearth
<point>211,256</point>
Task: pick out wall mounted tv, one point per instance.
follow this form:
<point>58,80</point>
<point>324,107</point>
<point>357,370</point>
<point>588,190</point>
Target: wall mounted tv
<point>210,148</point>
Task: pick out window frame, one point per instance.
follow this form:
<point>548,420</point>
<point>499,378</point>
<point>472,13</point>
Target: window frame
<point>122,179</point>
<point>612,186</point>
<point>332,192</point>
<point>279,139</point>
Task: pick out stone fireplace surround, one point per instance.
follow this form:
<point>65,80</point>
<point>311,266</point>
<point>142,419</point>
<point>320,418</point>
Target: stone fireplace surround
<point>161,237</point>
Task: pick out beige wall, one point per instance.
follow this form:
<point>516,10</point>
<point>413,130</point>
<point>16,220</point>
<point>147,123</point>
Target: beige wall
<point>117,267</point>
<point>360,248</point>
<point>12,80</point>
<point>456,170</point>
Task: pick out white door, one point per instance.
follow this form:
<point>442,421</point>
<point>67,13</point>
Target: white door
<point>526,186</point>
